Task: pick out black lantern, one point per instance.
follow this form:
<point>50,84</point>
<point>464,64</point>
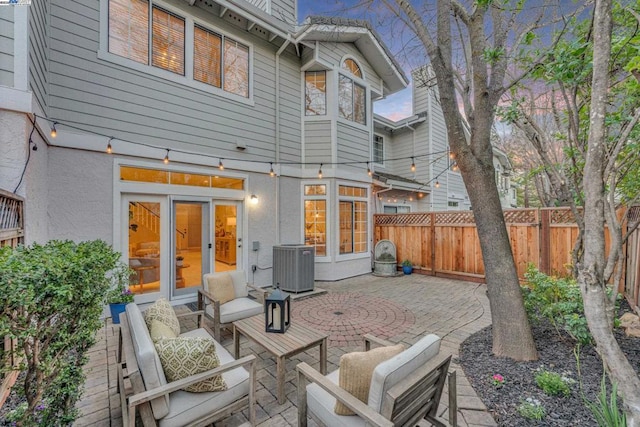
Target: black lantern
<point>277,311</point>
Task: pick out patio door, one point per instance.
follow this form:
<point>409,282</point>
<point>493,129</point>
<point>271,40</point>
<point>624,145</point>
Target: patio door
<point>143,222</point>
<point>227,236</point>
<point>190,237</point>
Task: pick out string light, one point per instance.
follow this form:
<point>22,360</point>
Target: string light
<point>220,165</point>
<point>455,167</point>
<point>368,169</point>
<point>413,165</point>
<point>109,149</point>
<point>320,171</point>
<point>451,155</point>
<point>437,184</point>
<point>271,172</point>
<point>54,132</point>
<point>166,158</point>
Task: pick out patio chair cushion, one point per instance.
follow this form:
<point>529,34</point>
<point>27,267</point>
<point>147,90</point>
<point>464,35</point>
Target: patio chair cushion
<point>159,330</point>
<point>389,373</point>
<point>187,407</point>
<point>185,356</point>
<point>322,404</point>
<point>161,310</point>
<point>237,309</point>
<point>148,359</point>
<point>356,369</point>
<point>221,288</point>
<point>239,283</point>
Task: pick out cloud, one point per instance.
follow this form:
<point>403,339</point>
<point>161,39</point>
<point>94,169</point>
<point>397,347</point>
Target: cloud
<point>396,107</point>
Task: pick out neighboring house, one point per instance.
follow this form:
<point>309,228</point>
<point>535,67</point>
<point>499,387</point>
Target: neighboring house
<point>244,107</point>
<point>435,183</point>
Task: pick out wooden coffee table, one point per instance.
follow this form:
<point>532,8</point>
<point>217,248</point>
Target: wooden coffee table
<point>297,339</point>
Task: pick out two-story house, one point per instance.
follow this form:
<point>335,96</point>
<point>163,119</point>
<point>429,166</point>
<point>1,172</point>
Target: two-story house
<point>193,135</point>
<point>414,171</point>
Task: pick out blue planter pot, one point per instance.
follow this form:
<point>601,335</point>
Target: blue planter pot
<point>116,309</point>
<point>407,269</point>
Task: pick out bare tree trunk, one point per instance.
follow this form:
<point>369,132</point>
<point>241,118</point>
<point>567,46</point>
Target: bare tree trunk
<point>591,271</point>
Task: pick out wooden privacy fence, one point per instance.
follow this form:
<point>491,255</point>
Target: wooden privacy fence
<point>11,234</point>
<point>446,243</point>
<point>632,279</point>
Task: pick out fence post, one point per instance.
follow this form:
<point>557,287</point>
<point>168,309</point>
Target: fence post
<point>545,241</point>
<point>433,243</point>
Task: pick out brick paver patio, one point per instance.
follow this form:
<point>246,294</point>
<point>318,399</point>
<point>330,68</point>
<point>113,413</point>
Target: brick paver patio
<point>401,309</point>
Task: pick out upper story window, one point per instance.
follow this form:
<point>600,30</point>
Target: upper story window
<point>378,149</point>
<point>315,93</point>
<point>218,60</point>
<point>351,95</point>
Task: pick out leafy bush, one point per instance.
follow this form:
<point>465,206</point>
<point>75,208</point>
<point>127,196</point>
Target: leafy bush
<point>558,300</point>
<point>53,297</point>
<point>531,409</point>
<point>553,384</point>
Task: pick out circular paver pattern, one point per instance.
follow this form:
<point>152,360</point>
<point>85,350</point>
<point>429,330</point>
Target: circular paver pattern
<point>346,316</point>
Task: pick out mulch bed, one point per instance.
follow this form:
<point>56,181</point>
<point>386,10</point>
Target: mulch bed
<point>557,353</point>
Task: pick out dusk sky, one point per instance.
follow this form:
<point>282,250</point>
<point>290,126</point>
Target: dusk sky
<point>394,107</point>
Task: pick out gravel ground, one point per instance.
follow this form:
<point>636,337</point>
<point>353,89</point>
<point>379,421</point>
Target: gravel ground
<point>557,354</point>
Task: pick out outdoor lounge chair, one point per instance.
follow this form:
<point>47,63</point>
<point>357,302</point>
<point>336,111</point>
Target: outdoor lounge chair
<point>240,306</point>
<point>166,404</point>
<point>404,390</point>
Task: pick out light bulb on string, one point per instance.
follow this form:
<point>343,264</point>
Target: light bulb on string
<point>413,165</point>
<point>271,172</point>
<point>54,131</point>
<point>437,184</point>
<point>220,165</point>
<point>109,149</point>
<point>320,171</point>
<point>166,158</point>
<point>368,169</point>
<point>455,167</point>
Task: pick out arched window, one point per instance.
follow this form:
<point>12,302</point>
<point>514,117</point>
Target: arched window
<point>352,66</point>
<point>352,97</point>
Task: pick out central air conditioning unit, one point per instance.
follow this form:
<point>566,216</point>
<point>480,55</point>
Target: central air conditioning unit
<point>293,267</point>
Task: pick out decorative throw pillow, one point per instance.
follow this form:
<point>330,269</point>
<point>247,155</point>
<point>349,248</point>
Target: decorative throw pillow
<point>162,311</point>
<point>221,288</point>
<point>159,330</point>
<point>184,356</point>
<point>356,369</point>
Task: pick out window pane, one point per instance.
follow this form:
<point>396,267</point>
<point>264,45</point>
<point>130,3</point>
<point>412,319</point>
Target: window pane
<point>129,29</point>
<point>352,66</point>
<point>345,97</point>
<point>236,68</point>
<point>144,245</point>
<point>315,189</point>
<point>316,93</point>
<point>360,227</point>
<point>359,104</point>
<point>346,227</point>
<point>378,149</point>
<point>143,175</point>
<point>195,180</point>
<point>207,50</point>
<point>347,190</point>
<point>315,229</point>
<point>168,41</point>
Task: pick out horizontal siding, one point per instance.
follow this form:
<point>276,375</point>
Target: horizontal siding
<point>334,52</point>
<point>317,141</point>
<point>39,52</point>
<point>260,4</point>
<point>6,46</point>
<point>353,146</point>
<point>285,10</point>
<point>110,99</point>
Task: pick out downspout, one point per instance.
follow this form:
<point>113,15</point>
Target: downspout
<point>277,125</point>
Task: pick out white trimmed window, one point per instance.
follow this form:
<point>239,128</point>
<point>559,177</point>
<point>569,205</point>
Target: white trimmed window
<point>378,149</point>
<point>315,217</point>
<point>218,60</point>
<point>353,207</point>
<point>352,97</point>
<point>315,93</point>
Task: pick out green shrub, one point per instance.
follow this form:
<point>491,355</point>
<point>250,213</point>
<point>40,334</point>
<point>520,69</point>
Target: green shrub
<point>531,409</point>
<point>558,300</point>
<point>553,384</point>
<point>53,298</point>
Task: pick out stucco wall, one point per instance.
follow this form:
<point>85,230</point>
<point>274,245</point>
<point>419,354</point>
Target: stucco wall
<point>37,193</point>
<point>80,195</point>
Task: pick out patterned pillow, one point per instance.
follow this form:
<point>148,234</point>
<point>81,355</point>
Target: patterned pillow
<point>159,330</point>
<point>162,311</point>
<point>221,288</point>
<point>182,357</point>
<point>356,369</point>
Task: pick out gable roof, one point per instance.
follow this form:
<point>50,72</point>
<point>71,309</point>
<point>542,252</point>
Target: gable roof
<point>365,38</point>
